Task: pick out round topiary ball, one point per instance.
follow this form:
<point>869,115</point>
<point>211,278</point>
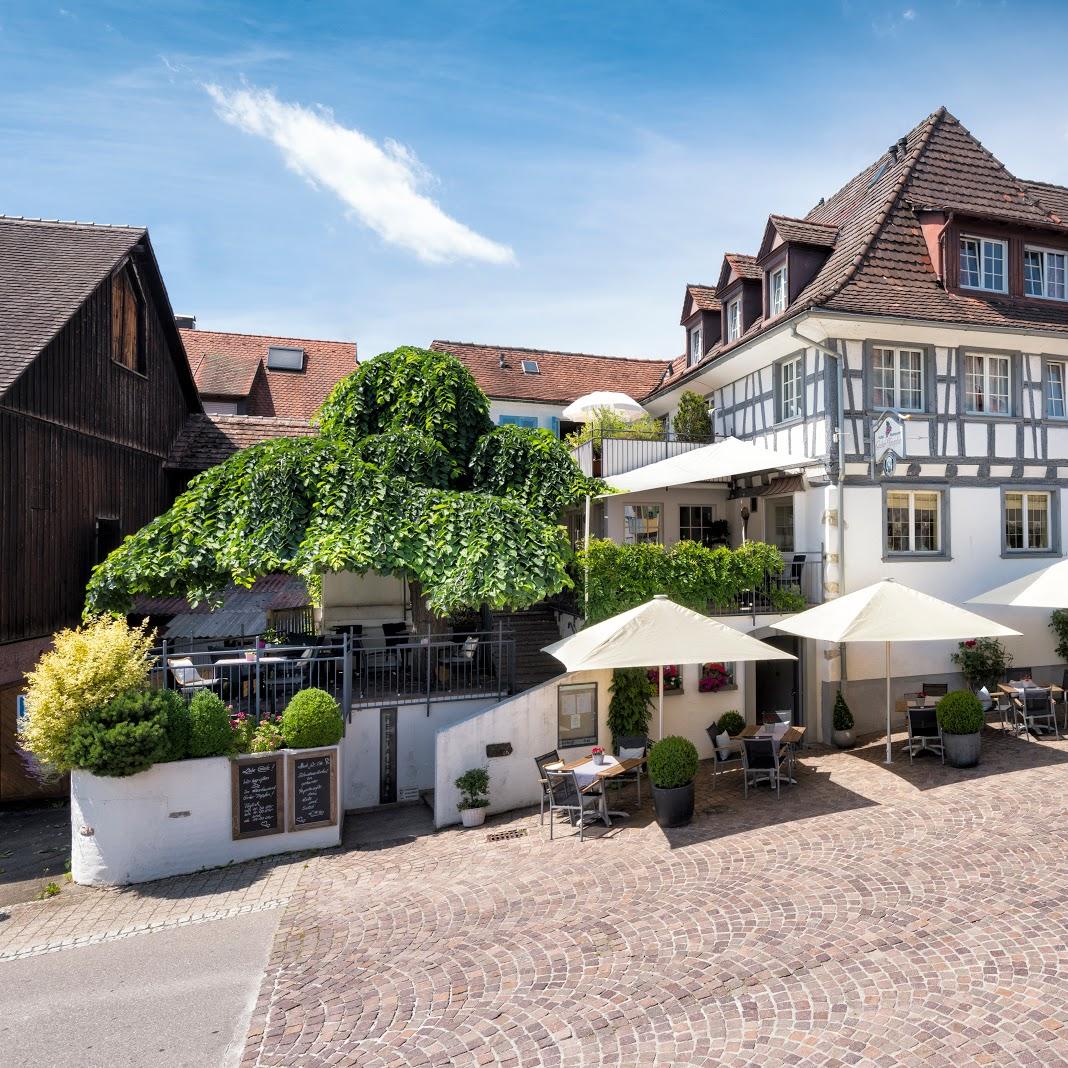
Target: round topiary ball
<point>672,762</point>
<point>312,719</point>
<point>960,712</point>
<point>209,726</point>
<point>731,722</point>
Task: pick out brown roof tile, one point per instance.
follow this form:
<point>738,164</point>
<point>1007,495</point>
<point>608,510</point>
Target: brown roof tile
<point>744,266</point>
<point>698,298</point>
<point>804,231</point>
<point>223,363</point>
<point>207,440</point>
<point>563,377</point>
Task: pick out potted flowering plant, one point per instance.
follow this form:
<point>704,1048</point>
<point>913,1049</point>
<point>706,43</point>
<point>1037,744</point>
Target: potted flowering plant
<point>982,661</point>
<point>714,677</point>
<point>598,754</point>
<point>672,677</point>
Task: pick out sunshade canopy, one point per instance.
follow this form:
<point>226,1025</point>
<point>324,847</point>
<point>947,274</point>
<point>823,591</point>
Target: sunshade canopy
<point>722,460</point>
<point>658,632</point>
<point>586,407</point>
<point>1047,588</point>
<point>890,612</point>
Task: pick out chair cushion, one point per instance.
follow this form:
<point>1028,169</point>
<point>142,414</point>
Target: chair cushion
<point>631,754</point>
<point>723,746</point>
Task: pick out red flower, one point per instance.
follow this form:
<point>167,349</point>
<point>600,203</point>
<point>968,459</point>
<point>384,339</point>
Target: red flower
<point>970,643</point>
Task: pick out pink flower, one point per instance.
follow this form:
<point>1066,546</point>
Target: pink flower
<point>970,643</point>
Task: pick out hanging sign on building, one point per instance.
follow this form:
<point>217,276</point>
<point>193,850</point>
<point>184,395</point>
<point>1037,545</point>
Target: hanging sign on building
<point>888,435</point>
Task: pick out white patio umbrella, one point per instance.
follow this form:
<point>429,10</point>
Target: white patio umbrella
<point>586,407</point>
<point>658,632</point>
<point>1047,588</point>
<point>890,612</point>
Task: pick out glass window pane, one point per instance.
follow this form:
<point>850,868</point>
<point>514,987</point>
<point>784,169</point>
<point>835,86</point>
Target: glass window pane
<point>1055,389</point>
<point>641,523</point>
<point>925,522</point>
<point>897,522</point>
<point>1033,273</point>
<point>974,394</point>
<point>1014,524</point>
<point>998,384</point>
<point>883,378</point>
<point>910,369</point>
<point>1037,521</point>
<point>993,265</point>
<point>1055,280</point>
<point>969,262</point>
<point>577,714</point>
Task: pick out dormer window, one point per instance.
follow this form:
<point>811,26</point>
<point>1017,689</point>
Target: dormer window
<point>982,264</point>
<point>734,319</point>
<point>1045,273</point>
<point>695,347</point>
<point>530,367</point>
<point>777,291</point>
<point>283,358</point>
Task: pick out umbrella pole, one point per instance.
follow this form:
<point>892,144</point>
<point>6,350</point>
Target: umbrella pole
<point>586,563</point>
<point>889,756</point>
<point>661,673</point>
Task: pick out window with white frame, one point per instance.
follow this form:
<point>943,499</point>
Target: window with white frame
<point>897,379</point>
<point>1055,390</point>
<point>1027,522</point>
<point>782,523</point>
<point>987,384</point>
<point>777,291</point>
<point>695,346</point>
<point>982,263</point>
<point>1046,273</point>
<point>576,714</point>
<point>696,523</point>
<point>790,385</point>
<point>734,319</point>
<point>641,524</point>
<point>913,521</point>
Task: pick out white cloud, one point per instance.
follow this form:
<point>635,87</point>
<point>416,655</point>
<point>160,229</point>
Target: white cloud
<point>908,14</point>
<point>380,183</point>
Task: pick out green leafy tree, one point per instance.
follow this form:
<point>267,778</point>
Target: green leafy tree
<point>606,422</point>
<point>692,421</point>
<point>407,477</point>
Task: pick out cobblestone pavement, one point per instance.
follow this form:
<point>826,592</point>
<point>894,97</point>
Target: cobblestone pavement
<point>872,916</point>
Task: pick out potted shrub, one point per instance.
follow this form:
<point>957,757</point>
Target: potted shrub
<point>842,721</point>
<point>983,662</point>
<point>672,769</point>
<point>731,723</point>
<point>473,786</point>
<point>960,716</point>
<point>312,719</point>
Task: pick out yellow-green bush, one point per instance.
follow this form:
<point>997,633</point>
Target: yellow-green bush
<point>86,668</point>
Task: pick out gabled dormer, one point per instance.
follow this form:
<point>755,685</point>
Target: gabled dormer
<point>701,321</point>
<point>739,292</point>
<point>790,256</point>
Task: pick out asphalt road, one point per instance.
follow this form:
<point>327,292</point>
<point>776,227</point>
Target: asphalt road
<point>176,997</point>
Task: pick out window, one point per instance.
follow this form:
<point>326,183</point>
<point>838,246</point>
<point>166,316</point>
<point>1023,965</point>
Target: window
<point>734,319</point>
<point>790,385</point>
<point>283,358</point>
<point>127,320</point>
<point>576,705</point>
<point>696,523</point>
<point>1045,273</point>
<point>1027,522</point>
<point>1055,390</point>
<point>530,367</point>
<point>109,537</point>
<point>986,384</point>
<point>897,379</point>
<point>777,291</point>
<point>782,524</point>
<point>529,421</point>
<point>695,346</point>
<point>982,264</point>
<point>913,523</point>
<point>641,524</point>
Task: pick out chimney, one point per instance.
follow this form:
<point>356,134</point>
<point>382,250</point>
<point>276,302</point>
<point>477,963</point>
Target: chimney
<point>185,322</point>
<point>500,360</point>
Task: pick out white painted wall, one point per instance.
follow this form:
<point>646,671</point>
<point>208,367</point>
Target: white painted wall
<point>367,599</point>
<point>543,412</point>
<point>415,748</point>
<point>670,501</point>
<point>169,820</point>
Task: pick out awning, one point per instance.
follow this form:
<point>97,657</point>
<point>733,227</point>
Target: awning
<point>777,487</point>
<point>723,460</point>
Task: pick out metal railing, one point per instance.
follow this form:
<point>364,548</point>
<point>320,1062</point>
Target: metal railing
<point>619,452</point>
<point>799,586</point>
<point>260,679</point>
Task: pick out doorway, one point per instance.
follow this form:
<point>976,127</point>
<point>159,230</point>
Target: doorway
<point>778,682</point>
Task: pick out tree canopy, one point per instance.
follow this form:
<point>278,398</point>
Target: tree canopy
<point>407,476</point>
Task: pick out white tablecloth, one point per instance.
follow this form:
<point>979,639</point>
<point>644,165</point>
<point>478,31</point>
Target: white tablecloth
<point>588,772</point>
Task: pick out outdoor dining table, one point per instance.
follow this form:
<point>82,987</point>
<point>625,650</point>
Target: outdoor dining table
<point>587,772</point>
<point>788,734</point>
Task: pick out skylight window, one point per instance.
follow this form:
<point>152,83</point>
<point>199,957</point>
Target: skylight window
<point>530,367</point>
<point>879,173</point>
<point>280,358</point>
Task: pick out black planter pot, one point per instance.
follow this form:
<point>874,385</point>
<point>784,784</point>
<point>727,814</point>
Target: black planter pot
<point>674,807</point>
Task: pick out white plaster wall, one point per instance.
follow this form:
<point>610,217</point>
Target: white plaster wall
<point>415,748</point>
<point>169,820</point>
<point>367,599</point>
<point>670,500</point>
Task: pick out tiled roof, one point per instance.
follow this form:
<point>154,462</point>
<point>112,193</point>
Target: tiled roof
<point>222,363</point>
<point>880,265</point>
<point>274,592</point>
<point>805,232</point>
<point>698,298</point>
<point>744,266</point>
<point>207,440</point>
<point>562,378</point>
<point>47,270</point>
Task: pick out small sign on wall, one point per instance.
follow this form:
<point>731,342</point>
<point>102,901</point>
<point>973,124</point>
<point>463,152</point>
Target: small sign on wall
<point>888,436</point>
<point>256,795</point>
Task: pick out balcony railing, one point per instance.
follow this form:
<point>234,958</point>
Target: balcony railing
<point>617,453</point>
<point>800,585</point>
<point>262,680</point>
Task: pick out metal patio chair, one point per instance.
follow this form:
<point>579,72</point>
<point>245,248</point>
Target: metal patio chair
<point>924,732</point>
<point>543,762</point>
<point>565,795</point>
<point>720,763</point>
<point>761,763</point>
<point>636,745</point>
<point>190,679</point>
<point>1033,711</point>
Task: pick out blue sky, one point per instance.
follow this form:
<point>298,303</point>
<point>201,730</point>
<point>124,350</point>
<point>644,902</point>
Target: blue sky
<point>543,174</point>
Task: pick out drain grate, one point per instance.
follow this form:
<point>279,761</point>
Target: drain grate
<point>504,836</point>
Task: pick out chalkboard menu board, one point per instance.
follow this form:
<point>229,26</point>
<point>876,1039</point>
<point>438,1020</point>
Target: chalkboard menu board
<point>312,775</point>
<point>256,795</point>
